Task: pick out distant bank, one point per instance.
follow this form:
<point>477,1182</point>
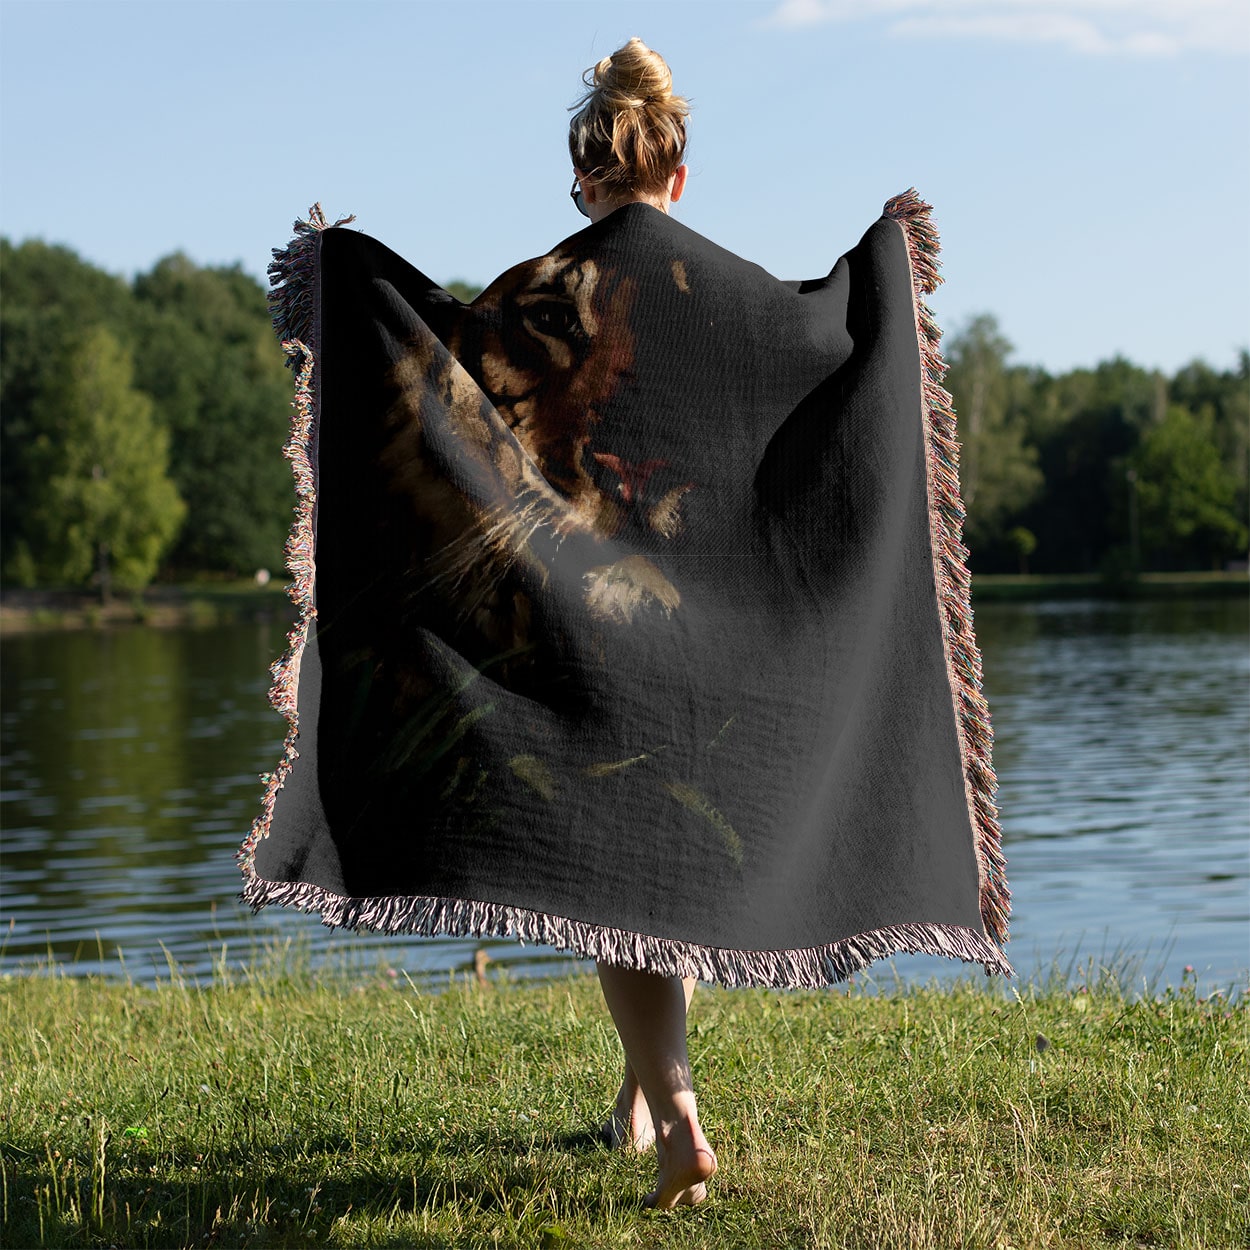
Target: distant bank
<point>217,603</point>
<point>989,587</point>
<point>191,603</point>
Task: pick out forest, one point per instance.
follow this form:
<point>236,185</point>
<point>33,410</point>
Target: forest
<point>141,424</point>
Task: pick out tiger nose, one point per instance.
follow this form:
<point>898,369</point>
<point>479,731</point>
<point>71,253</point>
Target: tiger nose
<point>633,475</point>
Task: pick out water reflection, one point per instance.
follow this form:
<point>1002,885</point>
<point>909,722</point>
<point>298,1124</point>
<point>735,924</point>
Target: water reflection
<point>131,762</point>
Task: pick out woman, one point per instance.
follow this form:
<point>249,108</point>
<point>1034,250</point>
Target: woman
<point>640,625</point>
<point>628,141</point>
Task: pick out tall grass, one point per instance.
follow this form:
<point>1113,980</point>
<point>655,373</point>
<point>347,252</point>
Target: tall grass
<point>281,1106</point>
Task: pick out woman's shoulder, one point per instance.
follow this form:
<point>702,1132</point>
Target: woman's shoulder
<point>642,241</point>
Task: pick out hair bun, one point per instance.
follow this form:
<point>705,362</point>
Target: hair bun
<point>633,76</point>
<point>629,129</point>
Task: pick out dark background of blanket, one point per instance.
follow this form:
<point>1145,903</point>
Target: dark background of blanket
<point>799,691</point>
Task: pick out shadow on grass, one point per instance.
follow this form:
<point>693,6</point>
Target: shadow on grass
<point>290,1195</point>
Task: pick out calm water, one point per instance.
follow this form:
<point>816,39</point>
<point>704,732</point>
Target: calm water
<point>1122,744</point>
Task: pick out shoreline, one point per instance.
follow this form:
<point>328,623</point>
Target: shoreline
<point>195,604</point>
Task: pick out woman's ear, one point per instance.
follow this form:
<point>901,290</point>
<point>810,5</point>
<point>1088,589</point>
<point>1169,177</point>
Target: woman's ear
<point>589,189</point>
<point>678,184</point>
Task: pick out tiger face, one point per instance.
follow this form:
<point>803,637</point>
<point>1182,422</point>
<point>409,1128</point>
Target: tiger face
<point>521,381</point>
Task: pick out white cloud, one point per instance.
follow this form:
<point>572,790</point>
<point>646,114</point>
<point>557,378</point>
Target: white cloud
<point>1137,28</point>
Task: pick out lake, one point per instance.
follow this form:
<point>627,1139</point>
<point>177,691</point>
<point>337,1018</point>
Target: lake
<point>1122,747</point>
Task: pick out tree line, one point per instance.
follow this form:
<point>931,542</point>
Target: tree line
<point>1115,469</point>
<point>141,423</point>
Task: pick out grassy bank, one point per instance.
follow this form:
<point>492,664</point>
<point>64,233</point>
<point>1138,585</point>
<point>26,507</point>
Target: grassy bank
<point>988,587</point>
<point>193,603</point>
<point>213,603</point>
<point>283,1109</point>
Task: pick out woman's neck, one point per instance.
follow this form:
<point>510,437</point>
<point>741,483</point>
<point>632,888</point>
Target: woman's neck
<point>601,208</point>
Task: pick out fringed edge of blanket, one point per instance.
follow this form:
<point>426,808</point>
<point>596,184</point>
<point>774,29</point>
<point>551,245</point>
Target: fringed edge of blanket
<point>954,583</point>
<point>293,304</point>
<point>295,293</point>
<point>809,968</point>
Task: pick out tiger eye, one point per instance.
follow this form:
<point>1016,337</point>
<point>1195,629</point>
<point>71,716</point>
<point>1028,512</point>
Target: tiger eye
<point>555,318</point>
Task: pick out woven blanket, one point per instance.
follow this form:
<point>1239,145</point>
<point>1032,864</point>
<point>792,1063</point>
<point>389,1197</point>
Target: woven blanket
<point>634,617</point>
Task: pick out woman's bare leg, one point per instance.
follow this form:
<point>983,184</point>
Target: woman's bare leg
<point>629,1125</point>
<point>650,1015</point>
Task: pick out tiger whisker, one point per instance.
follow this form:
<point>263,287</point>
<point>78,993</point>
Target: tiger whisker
<point>459,555</point>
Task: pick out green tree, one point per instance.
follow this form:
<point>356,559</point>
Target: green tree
<point>51,297</point>
<point>1088,422</point>
<point>102,506</point>
<point>208,357</point>
<point>1186,492</point>
<point>465,292</point>
<point>998,473</point>
<point>1023,543</point>
<point>1223,398</point>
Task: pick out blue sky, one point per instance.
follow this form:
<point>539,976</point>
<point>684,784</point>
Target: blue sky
<point>1087,159</point>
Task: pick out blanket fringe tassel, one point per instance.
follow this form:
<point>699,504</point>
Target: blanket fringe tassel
<point>954,583</point>
<point>293,302</point>
<point>295,295</point>
<point>811,968</point>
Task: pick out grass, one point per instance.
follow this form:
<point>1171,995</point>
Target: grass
<point>281,1107</point>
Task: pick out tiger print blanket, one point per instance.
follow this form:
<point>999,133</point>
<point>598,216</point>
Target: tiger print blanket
<point>634,614</point>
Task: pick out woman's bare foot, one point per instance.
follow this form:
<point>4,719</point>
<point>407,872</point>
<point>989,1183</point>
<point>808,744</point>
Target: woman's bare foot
<point>629,1126</point>
<point>686,1165</point>
<point>649,1011</point>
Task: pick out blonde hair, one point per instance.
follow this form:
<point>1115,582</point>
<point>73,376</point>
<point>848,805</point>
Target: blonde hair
<point>629,132</point>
